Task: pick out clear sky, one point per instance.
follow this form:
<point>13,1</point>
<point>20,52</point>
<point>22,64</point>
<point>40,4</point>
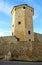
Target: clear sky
<point>6,17</point>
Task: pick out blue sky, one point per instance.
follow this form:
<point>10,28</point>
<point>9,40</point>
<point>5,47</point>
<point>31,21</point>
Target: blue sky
<point>6,17</point>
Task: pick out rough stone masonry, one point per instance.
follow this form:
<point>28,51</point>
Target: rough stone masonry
<point>24,44</point>
<point>22,22</point>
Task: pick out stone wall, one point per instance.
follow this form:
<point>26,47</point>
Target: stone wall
<point>19,50</point>
<point>37,50</point>
<point>38,37</point>
<point>22,50</point>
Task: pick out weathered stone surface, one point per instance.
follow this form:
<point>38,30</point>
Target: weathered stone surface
<point>21,50</point>
<point>8,56</point>
<point>22,23</point>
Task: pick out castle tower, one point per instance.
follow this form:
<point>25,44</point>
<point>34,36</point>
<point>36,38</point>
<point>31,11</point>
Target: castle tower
<point>22,22</point>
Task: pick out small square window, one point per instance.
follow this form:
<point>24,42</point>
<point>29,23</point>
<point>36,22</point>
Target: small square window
<point>29,39</point>
<point>24,7</point>
<point>29,32</point>
<point>17,39</point>
<point>31,10</point>
<point>19,22</point>
<point>15,8</point>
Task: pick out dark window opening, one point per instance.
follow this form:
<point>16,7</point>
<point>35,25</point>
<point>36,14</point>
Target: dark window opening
<point>15,8</point>
<point>29,39</point>
<point>24,7</point>
<point>29,32</point>
<point>17,39</point>
<point>19,22</point>
<point>31,10</point>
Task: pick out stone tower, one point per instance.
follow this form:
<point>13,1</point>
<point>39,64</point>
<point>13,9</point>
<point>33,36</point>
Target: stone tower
<point>22,22</point>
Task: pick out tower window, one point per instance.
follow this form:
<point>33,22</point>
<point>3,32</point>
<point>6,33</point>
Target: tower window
<point>24,7</point>
<point>17,39</point>
<point>15,8</point>
<point>29,39</point>
<point>19,22</point>
<point>29,32</point>
<point>31,10</point>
